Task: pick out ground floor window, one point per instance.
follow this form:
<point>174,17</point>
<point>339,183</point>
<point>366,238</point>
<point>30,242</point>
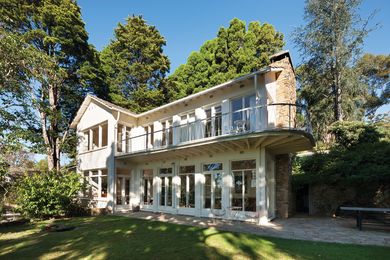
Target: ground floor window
<point>212,189</point>
<point>166,187</point>
<point>187,186</point>
<point>96,182</point>
<point>147,182</point>
<point>244,185</point>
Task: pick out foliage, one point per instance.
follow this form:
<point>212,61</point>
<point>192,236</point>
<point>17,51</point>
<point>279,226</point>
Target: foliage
<point>330,42</point>
<point>50,194</point>
<point>375,73</point>
<point>14,161</point>
<point>237,50</point>
<point>46,70</point>
<point>135,66</point>
<point>360,155</point>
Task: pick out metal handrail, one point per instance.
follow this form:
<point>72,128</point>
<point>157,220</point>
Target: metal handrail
<point>291,124</point>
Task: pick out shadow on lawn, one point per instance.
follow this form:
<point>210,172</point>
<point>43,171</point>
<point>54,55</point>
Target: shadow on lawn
<point>106,237</point>
<point>121,237</point>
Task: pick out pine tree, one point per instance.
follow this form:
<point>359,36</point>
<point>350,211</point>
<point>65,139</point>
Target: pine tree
<point>237,50</point>
<point>135,66</point>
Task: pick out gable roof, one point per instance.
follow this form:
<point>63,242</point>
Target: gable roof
<point>89,98</point>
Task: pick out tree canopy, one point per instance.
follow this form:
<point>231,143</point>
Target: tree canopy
<point>330,42</point>
<point>374,71</point>
<point>237,50</point>
<point>135,66</point>
<point>45,54</point>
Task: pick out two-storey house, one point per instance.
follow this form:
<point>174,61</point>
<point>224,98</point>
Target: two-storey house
<point>223,152</point>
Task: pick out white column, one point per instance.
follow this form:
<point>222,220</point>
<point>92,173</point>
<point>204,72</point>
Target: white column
<point>270,87</point>
<point>111,164</point>
<point>200,116</point>
<point>261,187</point>
<point>157,134</point>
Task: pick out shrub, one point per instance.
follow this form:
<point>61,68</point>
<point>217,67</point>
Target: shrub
<point>50,194</point>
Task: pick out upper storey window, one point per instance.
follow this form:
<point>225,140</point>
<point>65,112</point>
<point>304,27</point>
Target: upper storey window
<point>123,138</point>
<point>95,137</point>
<point>243,112</point>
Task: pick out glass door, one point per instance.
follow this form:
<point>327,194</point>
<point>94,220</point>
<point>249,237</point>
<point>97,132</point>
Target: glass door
<point>166,191</point>
<point>122,190</point>
<point>243,192</point>
<point>212,189</point>
<point>147,188</point>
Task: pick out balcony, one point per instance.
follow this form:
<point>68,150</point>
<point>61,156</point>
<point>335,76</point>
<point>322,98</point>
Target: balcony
<point>281,127</point>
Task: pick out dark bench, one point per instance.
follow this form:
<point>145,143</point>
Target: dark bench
<point>359,213</point>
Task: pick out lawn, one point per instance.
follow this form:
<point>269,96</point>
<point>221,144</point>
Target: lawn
<point>114,237</point>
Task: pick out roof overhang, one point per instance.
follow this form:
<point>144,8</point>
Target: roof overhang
<point>88,99</point>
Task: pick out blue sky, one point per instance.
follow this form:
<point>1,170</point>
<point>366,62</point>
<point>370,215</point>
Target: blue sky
<point>186,25</point>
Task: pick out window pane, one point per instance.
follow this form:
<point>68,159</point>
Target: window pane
<point>170,133</point>
<point>163,191</point>
<point>212,166</point>
<point>104,135</point>
<point>217,190</point>
<point>250,191</point>
<point>95,137</point>
<point>218,121</point>
<point>87,144</point>
<point>187,169</point>
<point>119,182</point>
<point>103,193</point>
<point>169,195</point>
<point>243,164</point>
<point>148,187</point>
<point>127,191</point>
<point>208,123</point>
<point>164,134</point>
<point>236,109</point>
<point>183,191</point>
<point>191,191</point>
<point>237,190</point>
<point>166,171</point>
<point>207,192</point>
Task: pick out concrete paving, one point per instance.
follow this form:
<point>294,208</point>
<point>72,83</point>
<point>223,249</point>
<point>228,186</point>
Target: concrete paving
<point>336,230</point>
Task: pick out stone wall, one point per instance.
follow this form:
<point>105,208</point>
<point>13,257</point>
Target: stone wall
<point>285,93</point>
<point>285,205</point>
<point>324,199</point>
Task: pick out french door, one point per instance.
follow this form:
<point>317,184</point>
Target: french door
<point>166,188</point>
<point>122,190</point>
<point>212,189</point>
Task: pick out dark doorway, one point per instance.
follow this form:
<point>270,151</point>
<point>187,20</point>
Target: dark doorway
<point>303,199</point>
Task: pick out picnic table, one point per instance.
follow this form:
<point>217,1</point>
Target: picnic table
<point>359,213</point>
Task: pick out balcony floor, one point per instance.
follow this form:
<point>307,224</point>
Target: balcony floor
<point>277,141</point>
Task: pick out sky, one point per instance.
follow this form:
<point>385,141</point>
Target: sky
<point>186,25</point>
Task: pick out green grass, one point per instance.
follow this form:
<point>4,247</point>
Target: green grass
<point>113,237</point>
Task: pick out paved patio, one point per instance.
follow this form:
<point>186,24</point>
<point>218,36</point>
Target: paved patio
<point>337,230</point>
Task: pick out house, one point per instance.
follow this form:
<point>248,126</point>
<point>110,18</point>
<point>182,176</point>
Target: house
<point>223,152</point>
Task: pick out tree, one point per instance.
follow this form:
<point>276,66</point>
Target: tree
<point>329,43</point>
<point>235,51</point>
<point>375,73</point>
<point>46,56</point>
<point>135,66</point>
